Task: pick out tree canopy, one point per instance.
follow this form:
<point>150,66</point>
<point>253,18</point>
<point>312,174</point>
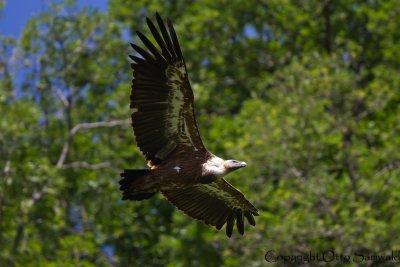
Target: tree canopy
<point>306,92</point>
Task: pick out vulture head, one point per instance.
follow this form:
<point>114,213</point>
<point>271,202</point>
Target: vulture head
<point>231,165</point>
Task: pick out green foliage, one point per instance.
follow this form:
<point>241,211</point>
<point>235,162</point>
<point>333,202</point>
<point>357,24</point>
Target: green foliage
<point>306,92</point>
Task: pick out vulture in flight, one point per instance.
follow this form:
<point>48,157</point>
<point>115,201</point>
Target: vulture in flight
<point>164,124</point>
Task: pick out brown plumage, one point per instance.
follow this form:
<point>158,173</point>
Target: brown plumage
<point>164,124</point>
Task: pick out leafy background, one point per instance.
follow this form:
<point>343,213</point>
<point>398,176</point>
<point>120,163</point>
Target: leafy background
<point>306,92</point>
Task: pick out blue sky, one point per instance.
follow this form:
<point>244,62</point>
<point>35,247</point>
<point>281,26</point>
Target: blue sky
<point>17,12</point>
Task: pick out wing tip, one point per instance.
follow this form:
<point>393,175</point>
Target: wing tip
<point>230,221</point>
<point>239,221</point>
<point>158,15</point>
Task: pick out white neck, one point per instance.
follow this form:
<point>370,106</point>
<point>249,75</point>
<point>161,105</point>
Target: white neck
<point>214,166</point>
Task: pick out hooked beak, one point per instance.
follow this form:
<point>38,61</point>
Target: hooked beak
<point>232,165</point>
<point>239,165</point>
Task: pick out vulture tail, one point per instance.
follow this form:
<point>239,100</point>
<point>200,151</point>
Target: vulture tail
<point>134,185</point>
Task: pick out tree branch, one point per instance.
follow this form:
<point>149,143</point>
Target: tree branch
<point>3,187</point>
<point>86,165</point>
<point>326,10</point>
<point>64,153</point>
<point>62,97</point>
<point>348,161</point>
<point>7,168</point>
<point>86,126</point>
<point>100,124</point>
<point>18,237</point>
<point>388,167</point>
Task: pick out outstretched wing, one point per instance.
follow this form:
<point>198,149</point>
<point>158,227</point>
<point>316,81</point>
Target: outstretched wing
<point>215,204</point>
<point>162,99</point>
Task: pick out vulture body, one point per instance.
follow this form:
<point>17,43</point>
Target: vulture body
<point>164,124</point>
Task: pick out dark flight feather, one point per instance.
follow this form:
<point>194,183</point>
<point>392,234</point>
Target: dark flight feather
<point>239,221</point>
<point>174,39</point>
<point>250,218</point>
<point>229,224</point>
<point>165,35</point>
<point>159,40</point>
<point>151,48</point>
<point>212,203</point>
<point>143,53</point>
